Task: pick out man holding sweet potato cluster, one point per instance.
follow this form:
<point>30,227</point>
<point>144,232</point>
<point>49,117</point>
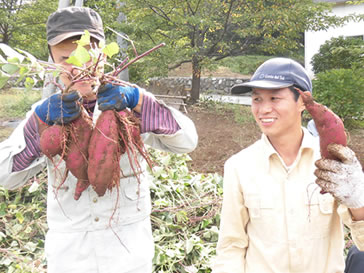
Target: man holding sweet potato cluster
<point>94,234</point>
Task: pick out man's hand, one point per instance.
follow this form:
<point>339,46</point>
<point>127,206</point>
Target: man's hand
<point>345,179</point>
<point>116,97</point>
<point>59,108</point>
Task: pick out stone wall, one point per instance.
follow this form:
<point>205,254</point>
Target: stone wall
<point>182,85</point>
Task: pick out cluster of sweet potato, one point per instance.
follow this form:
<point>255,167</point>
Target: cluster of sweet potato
<point>92,153</point>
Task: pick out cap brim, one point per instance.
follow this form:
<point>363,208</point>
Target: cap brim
<point>56,40</point>
<point>246,87</point>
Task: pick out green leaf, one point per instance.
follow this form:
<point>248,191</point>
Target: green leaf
<point>10,68</point>
<point>29,83</point>
<point>20,217</point>
<point>31,58</point>
<point>79,57</point>
<point>14,60</point>
<point>101,44</point>
<point>11,53</point>
<point>111,49</point>
<point>3,79</point>
<point>85,39</point>
<point>2,210</point>
<point>12,206</point>
<point>189,245</point>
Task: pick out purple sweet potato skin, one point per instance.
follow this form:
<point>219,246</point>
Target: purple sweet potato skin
<point>104,153</point>
<point>329,126</point>
<point>76,157</point>
<point>51,141</point>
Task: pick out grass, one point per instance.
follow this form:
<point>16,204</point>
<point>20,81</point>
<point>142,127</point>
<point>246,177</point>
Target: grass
<point>242,113</point>
<point>16,102</point>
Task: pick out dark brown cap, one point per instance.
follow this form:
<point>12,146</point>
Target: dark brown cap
<point>73,21</point>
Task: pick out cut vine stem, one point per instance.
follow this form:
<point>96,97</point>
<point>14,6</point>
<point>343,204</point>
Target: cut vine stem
<point>139,57</point>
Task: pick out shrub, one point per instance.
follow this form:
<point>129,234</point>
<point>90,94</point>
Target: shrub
<point>339,53</point>
<point>342,90</point>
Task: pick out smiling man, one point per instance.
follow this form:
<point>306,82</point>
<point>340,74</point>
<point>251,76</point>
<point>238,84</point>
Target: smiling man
<point>274,218</point>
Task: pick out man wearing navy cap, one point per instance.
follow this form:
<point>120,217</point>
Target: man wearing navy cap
<point>274,218</point>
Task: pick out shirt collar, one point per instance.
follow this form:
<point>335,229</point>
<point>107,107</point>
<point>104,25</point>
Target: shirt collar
<point>308,144</point>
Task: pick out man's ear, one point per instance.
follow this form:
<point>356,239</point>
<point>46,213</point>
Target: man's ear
<point>301,105</point>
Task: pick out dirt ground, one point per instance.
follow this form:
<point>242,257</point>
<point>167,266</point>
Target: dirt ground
<point>219,138</point>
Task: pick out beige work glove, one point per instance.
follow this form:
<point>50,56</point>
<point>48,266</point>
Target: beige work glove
<point>345,179</point>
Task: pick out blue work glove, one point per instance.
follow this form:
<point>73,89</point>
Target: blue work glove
<point>117,97</point>
<point>59,108</point>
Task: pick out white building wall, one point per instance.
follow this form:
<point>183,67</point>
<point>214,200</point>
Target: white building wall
<point>313,40</point>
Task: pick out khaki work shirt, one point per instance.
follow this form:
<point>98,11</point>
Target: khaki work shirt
<point>274,219</point>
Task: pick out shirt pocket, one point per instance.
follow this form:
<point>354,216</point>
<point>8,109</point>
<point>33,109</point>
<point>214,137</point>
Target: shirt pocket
<point>264,219</point>
<point>319,209</point>
<point>133,189</point>
<point>259,207</point>
<point>134,199</point>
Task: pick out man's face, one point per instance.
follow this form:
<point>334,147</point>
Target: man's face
<point>276,111</point>
<point>60,54</point>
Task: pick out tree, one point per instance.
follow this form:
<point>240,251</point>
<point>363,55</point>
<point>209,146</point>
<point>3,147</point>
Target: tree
<point>8,16</point>
<point>22,24</point>
<point>338,53</point>
<point>203,31</point>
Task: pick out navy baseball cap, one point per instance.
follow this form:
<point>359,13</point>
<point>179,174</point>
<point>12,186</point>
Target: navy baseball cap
<point>276,73</point>
<point>73,21</point>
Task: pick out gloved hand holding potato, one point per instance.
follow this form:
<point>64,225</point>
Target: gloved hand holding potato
<point>345,179</point>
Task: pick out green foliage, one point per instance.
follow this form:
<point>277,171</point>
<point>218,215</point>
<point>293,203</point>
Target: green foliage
<point>342,90</point>
<point>339,53</point>
<point>19,65</point>
<point>23,227</point>
<point>203,32</point>
<point>25,28</point>
<point>16,102</point>
<point>185,215</point>
<point>244,64</point>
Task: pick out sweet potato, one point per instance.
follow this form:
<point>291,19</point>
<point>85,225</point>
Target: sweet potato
<point>104,153</point>
<point>52,141</point>
<point>76,156</point>
<point>329,126</point>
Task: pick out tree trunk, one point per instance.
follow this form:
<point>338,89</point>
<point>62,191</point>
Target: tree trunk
<point>196,76</point>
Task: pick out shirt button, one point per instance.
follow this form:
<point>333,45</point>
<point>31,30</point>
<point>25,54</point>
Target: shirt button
<point>94,200</point>
<point>97,219</point>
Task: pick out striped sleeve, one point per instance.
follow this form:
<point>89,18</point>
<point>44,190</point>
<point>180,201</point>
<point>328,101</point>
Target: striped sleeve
<point>32,149</point>
<point>157,118</point>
